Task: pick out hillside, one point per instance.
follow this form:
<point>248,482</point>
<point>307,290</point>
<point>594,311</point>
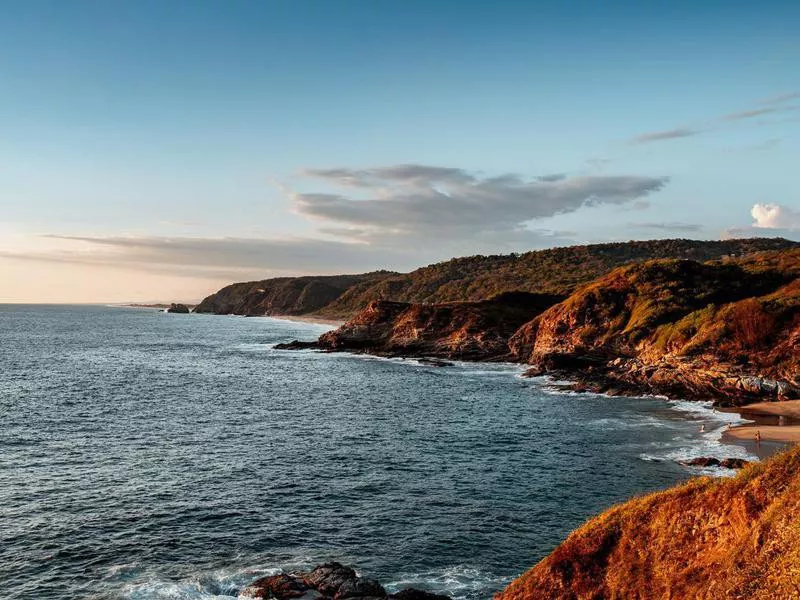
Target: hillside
<point>554,271</point>
<point>726,330</point>
<point>283,295</point>
<point>710,538</point>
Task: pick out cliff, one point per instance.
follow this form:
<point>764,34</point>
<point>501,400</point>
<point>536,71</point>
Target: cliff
<point>471,279</point>
<point>462,330</point>
<point>710,538</point>
<point>283,295</point>
<point>728,331</point>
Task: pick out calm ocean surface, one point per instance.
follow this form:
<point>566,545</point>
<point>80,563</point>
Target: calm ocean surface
<point>146,455</point>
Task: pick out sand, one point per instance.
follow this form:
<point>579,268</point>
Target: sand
<point>769,433</point>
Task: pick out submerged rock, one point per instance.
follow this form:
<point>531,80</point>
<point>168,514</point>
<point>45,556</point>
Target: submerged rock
<point>710,461</point>
<point>331,581</point>
<point>178,308</point>
<point>297,345</point>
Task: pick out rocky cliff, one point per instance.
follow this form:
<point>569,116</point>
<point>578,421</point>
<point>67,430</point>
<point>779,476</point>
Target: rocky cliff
<point>462,330</point>
<point>712,539</point>
<point>728,331</point>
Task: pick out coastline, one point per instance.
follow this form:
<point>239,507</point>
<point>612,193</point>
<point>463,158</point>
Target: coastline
<point>307,319</point>
<point>776,422</point>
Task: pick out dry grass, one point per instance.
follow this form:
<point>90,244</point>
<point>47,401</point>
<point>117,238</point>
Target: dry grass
<point>709,539</point>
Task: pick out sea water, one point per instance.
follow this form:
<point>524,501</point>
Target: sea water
<point>146,455</point>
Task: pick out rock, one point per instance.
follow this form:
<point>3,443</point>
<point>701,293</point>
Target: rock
<point>280,587</point>
<point>178,308</point>
<point>703,461</point>
<point>337,581</point>
<point>734,463</point>
<point>460,330</point>
<point>331,581</point>
<point>710,461</point>
<point>434,362</point>
<point>297,345</point>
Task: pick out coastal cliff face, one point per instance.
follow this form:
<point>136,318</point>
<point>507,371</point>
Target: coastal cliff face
<point>462,330</point>
<point>728,331</point>
<point>712,539</point>
<point>282,295</point>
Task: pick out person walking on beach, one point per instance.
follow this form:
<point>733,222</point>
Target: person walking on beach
<point>758,436</point>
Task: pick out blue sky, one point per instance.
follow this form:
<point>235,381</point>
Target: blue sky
<point>152,150</point>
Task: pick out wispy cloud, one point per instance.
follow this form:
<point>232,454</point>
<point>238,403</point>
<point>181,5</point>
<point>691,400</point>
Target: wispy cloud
<point>669,226</point>
<point>749,114</point>
<point>396,216</point>
<point>768,106</point>
<point>669,134</point>
<point>780,98</point>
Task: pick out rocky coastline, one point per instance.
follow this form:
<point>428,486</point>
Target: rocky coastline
<point>728,332</point>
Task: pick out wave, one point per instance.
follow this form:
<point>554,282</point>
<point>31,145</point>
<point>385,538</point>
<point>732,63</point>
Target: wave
<point>461,582</point>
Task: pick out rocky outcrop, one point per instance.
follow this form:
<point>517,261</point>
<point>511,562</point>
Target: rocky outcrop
<point>710,461</point>
<point>178,308</point>
<point>712,539</point>
<point>458,330</point>
<point>728,332</point>
<point>331,581</point>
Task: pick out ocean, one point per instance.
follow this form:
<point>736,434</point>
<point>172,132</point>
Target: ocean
<point>146,455</point>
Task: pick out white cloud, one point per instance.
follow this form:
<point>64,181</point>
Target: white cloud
<point>775,216</point>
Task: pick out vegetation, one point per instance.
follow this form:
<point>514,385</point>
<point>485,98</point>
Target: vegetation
<point>555,271</point>
<point>710,538</point>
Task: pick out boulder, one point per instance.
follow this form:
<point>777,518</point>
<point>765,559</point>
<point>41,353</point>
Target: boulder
<point>331,581</point>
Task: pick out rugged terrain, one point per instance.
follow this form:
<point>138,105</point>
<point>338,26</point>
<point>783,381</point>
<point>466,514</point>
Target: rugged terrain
<point>710,538</point>
<point>460,330</point>
<point>471,279</point>
<point>726,330</point>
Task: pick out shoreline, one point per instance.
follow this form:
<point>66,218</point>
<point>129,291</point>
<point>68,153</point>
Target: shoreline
<point>307,319</point>
<point>776,422</point>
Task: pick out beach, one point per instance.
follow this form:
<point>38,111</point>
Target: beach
<point>775,421</point>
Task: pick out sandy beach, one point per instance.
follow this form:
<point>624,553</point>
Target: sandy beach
<point>309,319</point>
<point>766,416</point>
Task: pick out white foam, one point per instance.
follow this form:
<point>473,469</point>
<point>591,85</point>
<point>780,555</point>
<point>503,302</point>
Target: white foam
<point>458,582</point>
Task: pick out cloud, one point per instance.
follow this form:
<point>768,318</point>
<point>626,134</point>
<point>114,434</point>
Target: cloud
<point>769,106</point>
<point>780,98</point>
<point>669,134</point>
<point>775,216</point>
<point>397,216</point>
<point>412,201</point>
<point>757,112</point>
<point>673,226</point>
<point>217,257</point>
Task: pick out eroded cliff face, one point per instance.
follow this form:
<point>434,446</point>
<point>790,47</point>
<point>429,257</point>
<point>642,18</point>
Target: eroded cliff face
<point>712,539</point>
<point>462,330</point>
<point>724,331</point>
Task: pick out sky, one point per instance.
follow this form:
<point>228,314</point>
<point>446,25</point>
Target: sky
<point>157,150</point>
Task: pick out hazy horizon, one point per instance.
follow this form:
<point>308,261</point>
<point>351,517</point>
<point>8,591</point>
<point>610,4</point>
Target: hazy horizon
<point>154,153</point>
